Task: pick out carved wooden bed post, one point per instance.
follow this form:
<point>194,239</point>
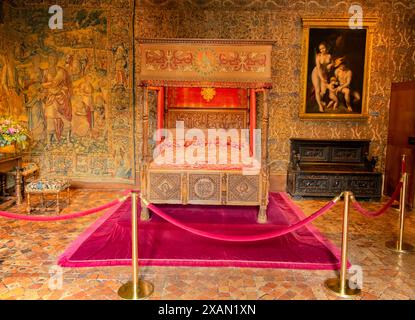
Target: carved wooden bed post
<point>262,215</point>
<point>252,120</point>
<point>160,111</point>
<point>145,215</point>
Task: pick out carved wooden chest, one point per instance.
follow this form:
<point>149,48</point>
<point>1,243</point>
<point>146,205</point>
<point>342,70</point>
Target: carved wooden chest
<point>209,187</point>
<point>324,168</point>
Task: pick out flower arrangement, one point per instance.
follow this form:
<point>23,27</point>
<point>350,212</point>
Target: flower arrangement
<point>13,133</point>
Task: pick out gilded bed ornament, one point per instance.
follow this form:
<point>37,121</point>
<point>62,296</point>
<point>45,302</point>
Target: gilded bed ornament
<point>208,93</point>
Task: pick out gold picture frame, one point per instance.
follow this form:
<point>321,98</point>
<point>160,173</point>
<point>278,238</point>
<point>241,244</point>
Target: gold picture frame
<point>335,77</point>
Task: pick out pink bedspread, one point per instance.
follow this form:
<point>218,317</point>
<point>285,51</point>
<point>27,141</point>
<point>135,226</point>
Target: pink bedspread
<point>232,158</point>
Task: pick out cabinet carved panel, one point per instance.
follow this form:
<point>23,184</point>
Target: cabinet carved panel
<point>346,154</point>
<point>314,153</point>
<point>165,187</point>
<point>204,187</point>
<point>243,188</point>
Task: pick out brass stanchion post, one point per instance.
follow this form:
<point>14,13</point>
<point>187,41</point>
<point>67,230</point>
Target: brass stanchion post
<point>398,245</point>
<point>403,170</point>
<point>340,286</point>
<point>138,288</point>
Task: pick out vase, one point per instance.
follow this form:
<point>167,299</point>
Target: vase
<point>11,148</point>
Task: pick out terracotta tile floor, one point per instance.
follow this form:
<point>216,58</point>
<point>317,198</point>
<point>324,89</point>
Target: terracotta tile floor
<point>28,254</point>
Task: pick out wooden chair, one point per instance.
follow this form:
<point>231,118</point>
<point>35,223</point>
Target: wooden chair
<point>45,187</point>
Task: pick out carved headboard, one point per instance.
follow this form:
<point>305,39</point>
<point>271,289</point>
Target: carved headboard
<point>207,119</point>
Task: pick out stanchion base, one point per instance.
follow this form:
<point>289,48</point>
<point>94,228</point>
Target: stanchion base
<point>394,246</point>
<point>334,286</point>
<point>144,290</point>
<point>395,207</point>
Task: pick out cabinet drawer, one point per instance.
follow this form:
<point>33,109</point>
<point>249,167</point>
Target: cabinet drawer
<point>312,184</point>
<point>365,185</point>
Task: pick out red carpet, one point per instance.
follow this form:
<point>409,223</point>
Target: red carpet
<point>107,242</point>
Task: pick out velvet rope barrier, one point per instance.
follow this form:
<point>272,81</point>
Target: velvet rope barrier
<point>266,236</point>
<point>373,214</point>
<point>74,215</point>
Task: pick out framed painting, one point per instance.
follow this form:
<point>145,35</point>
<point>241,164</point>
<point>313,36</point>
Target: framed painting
<point>335,69</point>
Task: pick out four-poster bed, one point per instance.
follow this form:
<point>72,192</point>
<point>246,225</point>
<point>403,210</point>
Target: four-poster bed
<point>215,86</point>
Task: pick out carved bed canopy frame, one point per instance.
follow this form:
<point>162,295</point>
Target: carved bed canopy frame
<point>170,64</point>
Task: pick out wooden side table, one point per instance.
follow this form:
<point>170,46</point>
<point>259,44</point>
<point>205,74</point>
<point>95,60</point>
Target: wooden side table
<point>29,171</point>
<point>9,162</point>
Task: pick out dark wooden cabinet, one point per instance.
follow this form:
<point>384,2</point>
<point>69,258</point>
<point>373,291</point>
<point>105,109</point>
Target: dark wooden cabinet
<point>324,168</point>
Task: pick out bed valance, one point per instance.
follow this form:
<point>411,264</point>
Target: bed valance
<point>205,63</point>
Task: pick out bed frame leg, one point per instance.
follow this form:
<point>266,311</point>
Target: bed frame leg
<point>262,215</point>
<point>145,213</point>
